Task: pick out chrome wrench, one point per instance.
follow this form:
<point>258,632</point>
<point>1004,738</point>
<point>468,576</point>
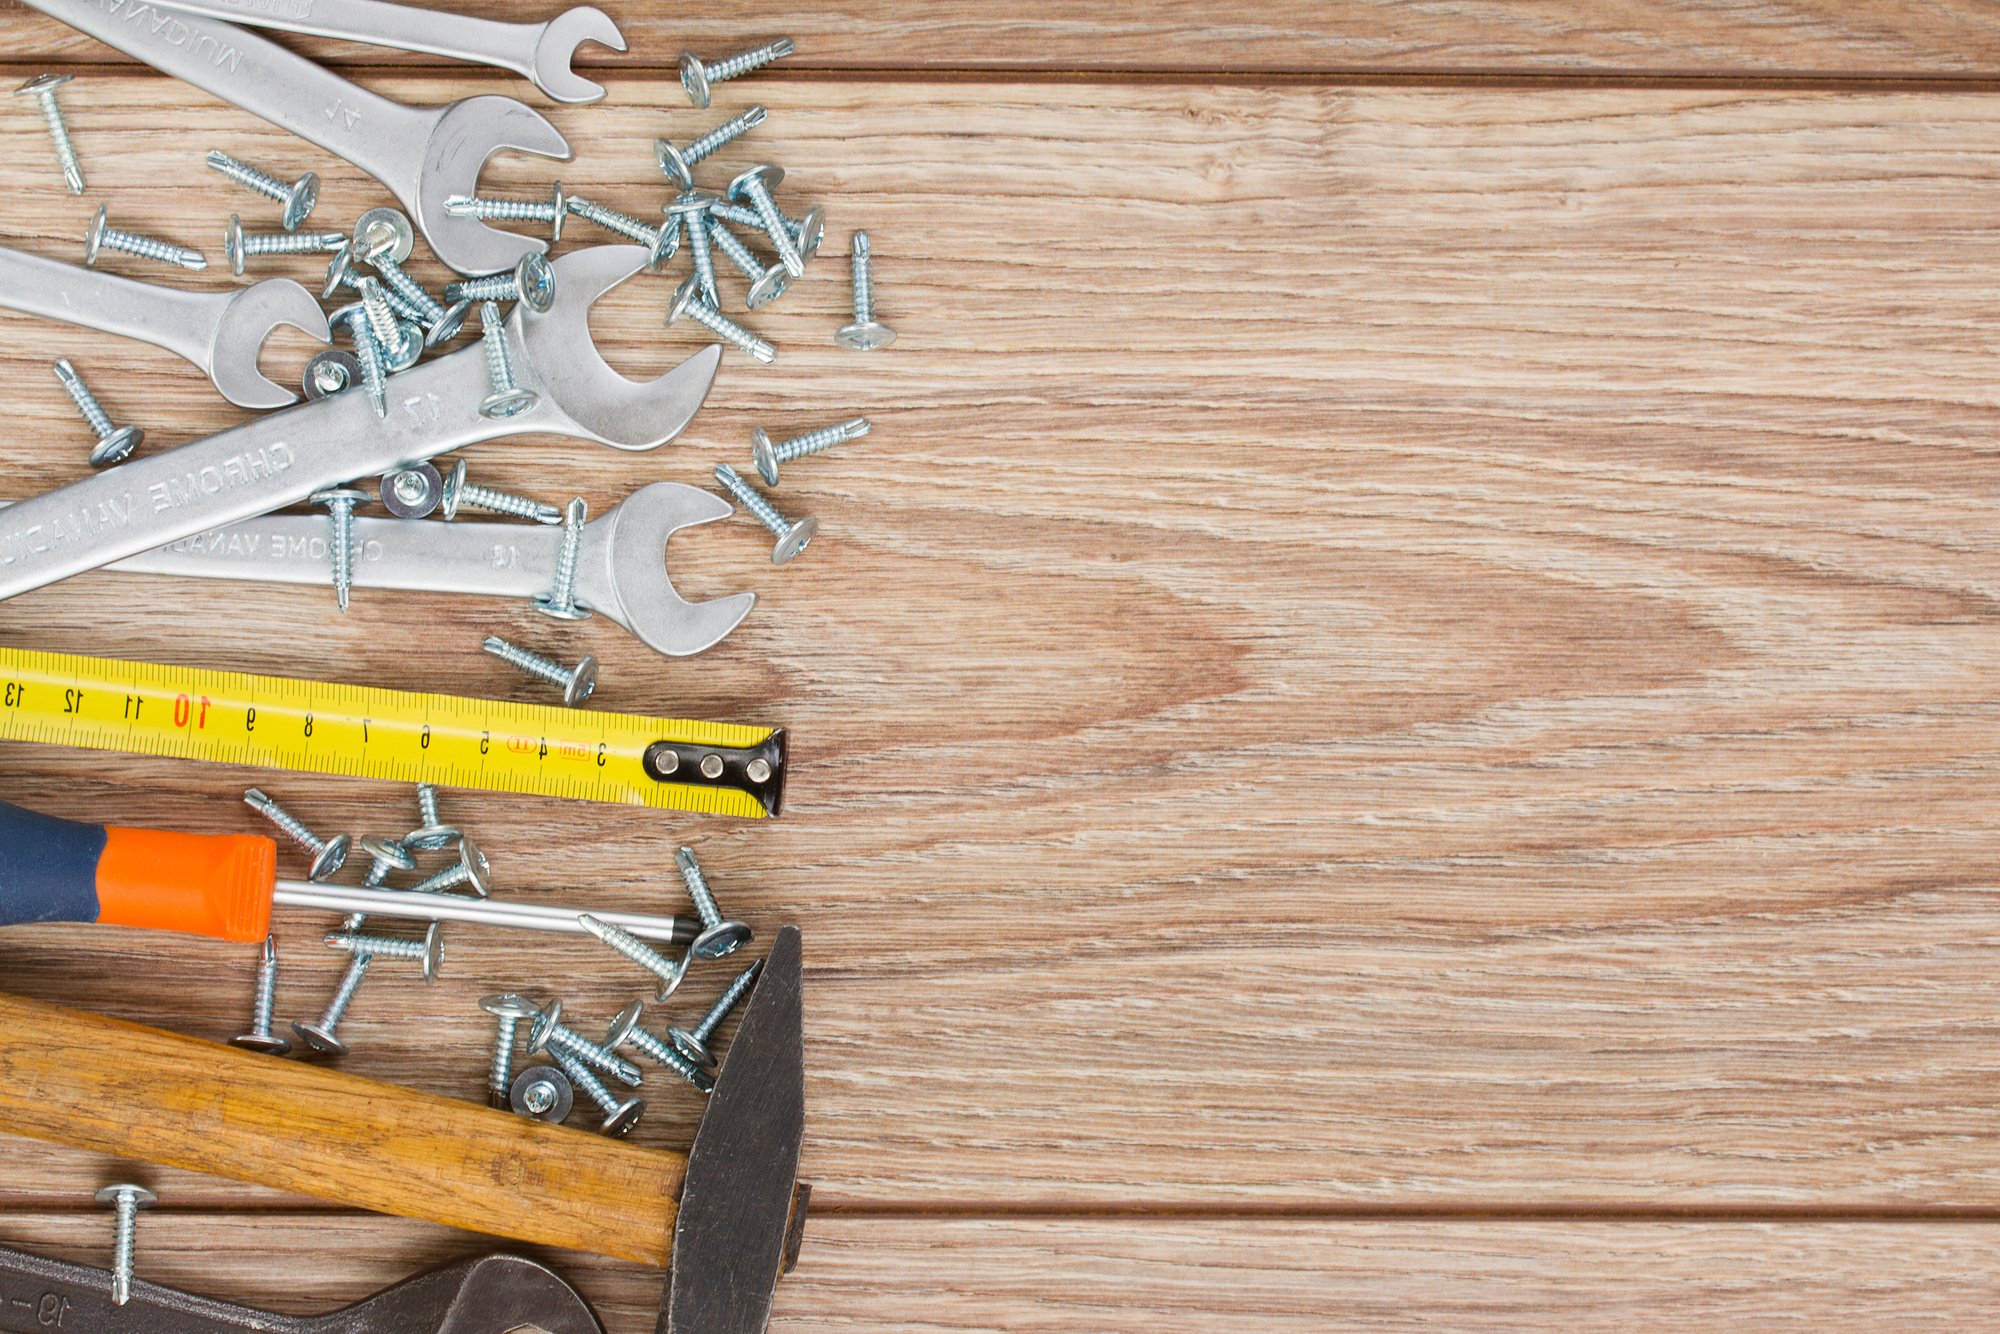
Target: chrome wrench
<point>424,155</point>
<point>619,573</point>
<point>538,52</point>
<point>221,332</point>
<point>284,457</point>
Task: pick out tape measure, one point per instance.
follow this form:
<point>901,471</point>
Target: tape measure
<point>311,727</point>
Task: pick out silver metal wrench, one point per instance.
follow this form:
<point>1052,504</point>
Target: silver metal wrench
<point>424,155</point>
<point>620,572</point>
<point>539,52</point>
<point>221,332</point>
<point>284,457</point>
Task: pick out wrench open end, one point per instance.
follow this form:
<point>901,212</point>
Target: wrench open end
<point>561,36</point>
<point>622,571</point>
<point>252,315</point>
<point>466,135</point>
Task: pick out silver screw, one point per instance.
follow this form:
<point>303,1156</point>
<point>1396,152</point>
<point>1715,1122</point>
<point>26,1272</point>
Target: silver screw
<point>323,1037</point>
<point>669,971</point>
<point>128,1200</point>
<point>532,281</point>
<point>386,857</point>
<point>768,456</point>
<point>660,242</point>
<point>429,951</point>
<point>102,234</point>
<point>552,210</point>
<point>260,1037</point>
<point>687,303</point>
<point>541,1093</point>
<point>619,1117</point>
<point>507,399</point>
<point>692,210</point>
<point>298,197</point>
<point>43,89</point>
<point>719,937</point>
<point>368,352</point>
<point>807,231</point>
<point>697,77</point>
<point>693,1042</point>
<point>560,600</point>
<point>550,1034</point>
<point>441,323</point>
<point>508,1010</point>
<point>755,186</point>
<point>238,245</point>
<point>577,683</point>
<point>625,1031</point>
<point>411,493</point>
<point>114,443</point>
<point>866,333</point>
<point>457,492</point>
<point>766,284</point>
<point>381,317</point>
<point>473,871</point>
<point>328,855</point>
<point>340,503</point>
<point>678,163</point>
<point>792,536</point>
<point>433,833</point>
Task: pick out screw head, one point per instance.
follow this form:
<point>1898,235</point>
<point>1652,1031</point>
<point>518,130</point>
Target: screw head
<point>621,1027</point>
<point>692,1047</point>
<point>299,203</point>
<point>232,244</point>
<point>412,493</point>
<point>543,1093</point>
<point>43,83</point>
<point>508,403</point>
<point>582,682</point>
<point>765,173</point>
<point>665,246</point>
<point>794,541</point>
<point>93,240</point>
<point>865,337</point>
<point>433,955</point>
<point>448,500</point>
<point>329,372</point>
<point>318,1041</point>
<point>509,1005</point>
<point>546,1020</point>
<point>141,1197</point>
<point>478,871</point>
<point>764,454</point>
<point>721,940</point>
<point>561,202</point>
<point>383,233</point>
<point>694,78</point>
<point>447,325</point>
<point>620,1121</point>
<point>769,287</point>
<point>672,165</point>
<point>687,294</point>
<point>536,278</point>
<point>387,850</point>
<point>331,858</point>
<point>812,230</point>
<point>339,272</point>
<point>555,610</point>
<point>268,1044</point>
<point>691,205</point>
<point>116,447</point>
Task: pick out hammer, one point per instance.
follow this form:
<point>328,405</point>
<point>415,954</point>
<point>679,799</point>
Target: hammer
<point>728,1216</point>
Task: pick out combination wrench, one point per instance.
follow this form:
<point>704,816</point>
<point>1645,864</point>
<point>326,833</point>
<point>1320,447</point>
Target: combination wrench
<point>284,457</point>
<point>539,52</point>
<point>424,155</point>
<point>221,332</point>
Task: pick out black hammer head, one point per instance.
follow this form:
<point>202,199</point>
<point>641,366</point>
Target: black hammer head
<point>741,1202</point>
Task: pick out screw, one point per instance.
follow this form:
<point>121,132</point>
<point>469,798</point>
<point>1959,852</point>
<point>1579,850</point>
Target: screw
<point>384,232</point>
<point>755,185</point>
<point>792,536</point>
<point>660,242</point>
<point>381,318</point>
<point>866,333</point>
<point>807,231</point>
<point>577,683</point>
<point>678,163</point>
<point>560,600</point>
<point>128,1200</point>
<point>507,398</point>
<point>552,210</point>
<point>693,1043</point>
<point>386,856</point>
<point>433,833</point>
<point>238,245</point>
<point>298,197</point>
<point>697,77</point>
<point>43,89</point>
<point>441,323</point>
<point>625,1031</point>
<point>766,284</point>
<point>114,443</point>
<point>367,352</point>
<point>321,1036</point>
<point>457,493</point>
<point>472,871</point>
<point>687,302</point>
<point>329,372</point>
<point>541,1093</point>
<point>508,1010</point>
<point>260,1038</point>
<point>411,493</point>
<point>101,234</point>
<point>328,855</point>
<point>548,1033</point>
<point>429,951</point>
<point>340,503</point>
<point>669,971</point>
<point>532,281</point>
<point>768,456</point>
<point>619,1117</point>
<point>719,938</point>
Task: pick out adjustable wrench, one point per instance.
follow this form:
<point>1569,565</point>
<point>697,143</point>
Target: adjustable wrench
<point>424,155</point>
<point>284,457</point>
<point>221,332</point>
<point>538,52</point>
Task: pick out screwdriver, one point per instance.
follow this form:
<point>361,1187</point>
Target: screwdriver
<point>224,885</point>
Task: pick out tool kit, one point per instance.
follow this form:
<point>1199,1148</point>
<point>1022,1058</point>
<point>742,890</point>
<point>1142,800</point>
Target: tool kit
<point>352,482</point>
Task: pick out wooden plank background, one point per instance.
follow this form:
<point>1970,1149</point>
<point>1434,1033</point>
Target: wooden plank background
<point>1394,724</point>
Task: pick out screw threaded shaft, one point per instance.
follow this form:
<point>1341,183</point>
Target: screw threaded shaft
<point>501,210</point>
<point>493,332</point>
<point>266,1004</point>
<point>340,546</point>
<point>747,217</point>
<point>704,262</point>
<point>731,245</point>
<point>733,67</point>
<point>633,948</point>
<point>369,353</point>
<point>86,402</point>
<point>124,1242</point>
<point>698,890</point>
<point>663,1053</point>
<point>826,437</point>
<point>350,982</point>
<point>563,595</point>
<point>774,226</point>
<point>623,224</point>
<point>449,878</point>
<point>532,663</point>
<point>581,1077</point>
<point>292,243</point>
<point>284,820</point>
<point>427,805</point>
<point>746,495</point>
<point>500,1073</point>
<point>729,1000</point>
<point>562,1040</point>
<point>412,291</point>
<point>492,287</point>
<point>382,947</point>
<point>147,247</point>
<point>728,330</point>
<point>381,318</point>
<point>727,132</point>
<point>864,281</point>
<point>249,177</point>
<point>502,502</point>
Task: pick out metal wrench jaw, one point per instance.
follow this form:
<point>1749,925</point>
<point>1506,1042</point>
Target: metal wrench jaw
<point>466,135</point>
<point>559,359</point>
<point>561,36</point>
<point>621,570</point>
<point>249,319</point>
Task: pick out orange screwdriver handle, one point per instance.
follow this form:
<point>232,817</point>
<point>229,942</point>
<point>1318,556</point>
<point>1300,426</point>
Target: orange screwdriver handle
<point>204,884</point>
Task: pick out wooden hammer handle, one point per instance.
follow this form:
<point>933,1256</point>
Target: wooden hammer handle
<point>98,1083</point>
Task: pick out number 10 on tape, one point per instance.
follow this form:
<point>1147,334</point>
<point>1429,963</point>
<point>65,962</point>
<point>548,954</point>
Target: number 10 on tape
<point>312,727</point>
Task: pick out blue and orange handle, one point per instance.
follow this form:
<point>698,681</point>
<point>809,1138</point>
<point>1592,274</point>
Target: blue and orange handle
<point>55,870</point>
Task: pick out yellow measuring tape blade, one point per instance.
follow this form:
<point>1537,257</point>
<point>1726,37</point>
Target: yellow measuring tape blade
<point>312,727</point>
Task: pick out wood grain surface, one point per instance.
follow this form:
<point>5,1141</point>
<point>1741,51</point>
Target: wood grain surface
<point>1393,725</point>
